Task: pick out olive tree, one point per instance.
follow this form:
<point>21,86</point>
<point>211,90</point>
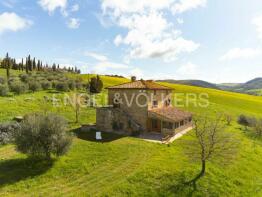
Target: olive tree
<point>7,131</point>
<point>43,135</point>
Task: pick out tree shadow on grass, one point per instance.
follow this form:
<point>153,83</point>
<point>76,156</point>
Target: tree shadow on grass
<point>53,92</point>
<point>15,170</point>
<point>91,136</point>
<point>185,187</point>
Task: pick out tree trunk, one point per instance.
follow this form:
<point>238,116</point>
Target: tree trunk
<point>203,170</point>
<point>77,116</point>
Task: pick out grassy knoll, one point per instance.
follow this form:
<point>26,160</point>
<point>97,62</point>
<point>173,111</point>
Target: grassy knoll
<point>126,166</point>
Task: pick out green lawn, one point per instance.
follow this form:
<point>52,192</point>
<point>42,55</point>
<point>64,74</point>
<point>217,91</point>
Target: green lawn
<point>126,166</point>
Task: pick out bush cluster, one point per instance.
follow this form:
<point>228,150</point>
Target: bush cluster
<point>4,90</point>
<point>43,135</point>
<point>46,85</point>
<point>2,80</point>
<point>254,123</point>
<point>39,81</point>
<point>34,86</point>
<point>62,86</point>
<point>7,131</point>
<point>18,87</point>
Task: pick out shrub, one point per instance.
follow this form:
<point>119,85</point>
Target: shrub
<point>43,135</point>
<point>24,78</point>
<point>252,121</point>
<point>7,131</point>
<point>71,85</point>
<point>3,90</point>
<point>18,88</point>
<point>54,83</point>
<point>79,85</point>
<point>50,78</point>
<point>62,86</point>
<point>2,80</point>
<point>13,80</point>
<point>34,86</point>
<point>96,85</point>
<point>242,120</point>
<point>45,85</point>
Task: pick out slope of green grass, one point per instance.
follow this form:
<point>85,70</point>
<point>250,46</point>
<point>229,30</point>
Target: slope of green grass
<point>126,166</point>
<point>255,92</point>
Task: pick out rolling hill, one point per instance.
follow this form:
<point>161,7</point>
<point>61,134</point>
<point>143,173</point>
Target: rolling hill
<point>253,87</point>
<point>126,166</point>
<point>199,83</point>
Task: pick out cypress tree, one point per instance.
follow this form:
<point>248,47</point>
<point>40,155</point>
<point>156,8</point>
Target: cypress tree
<point>29,63</point>
<point>26,66</point>
<point>34,64</point>
<point>7,67</point>
<point>22,66</point>
<point>38,65</point>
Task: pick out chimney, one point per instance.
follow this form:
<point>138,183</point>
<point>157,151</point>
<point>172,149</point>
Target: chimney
<point>133,79</point>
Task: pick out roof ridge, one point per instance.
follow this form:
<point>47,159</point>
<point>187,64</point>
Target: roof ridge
<point>144,83</point>
<point>140,84</point>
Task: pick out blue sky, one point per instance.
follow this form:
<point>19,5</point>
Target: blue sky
<point>213,40</point>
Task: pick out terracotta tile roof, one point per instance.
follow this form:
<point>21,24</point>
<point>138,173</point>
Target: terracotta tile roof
<point>141,84</point>
<point>170,113</point>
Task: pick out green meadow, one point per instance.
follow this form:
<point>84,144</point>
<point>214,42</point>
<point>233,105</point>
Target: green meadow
<point>127,166</point>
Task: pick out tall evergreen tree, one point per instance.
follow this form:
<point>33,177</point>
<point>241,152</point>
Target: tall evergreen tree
<point>7,59</point>
<point>34,64</point>
<point>54,67</point>
<point>26,66</point>
<point>29,62</point>
<point>22,66</point>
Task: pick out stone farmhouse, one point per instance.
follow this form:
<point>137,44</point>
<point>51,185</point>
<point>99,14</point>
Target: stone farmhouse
<point>142,106</point>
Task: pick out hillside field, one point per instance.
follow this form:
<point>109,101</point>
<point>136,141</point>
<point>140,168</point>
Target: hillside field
<point>127,166</point>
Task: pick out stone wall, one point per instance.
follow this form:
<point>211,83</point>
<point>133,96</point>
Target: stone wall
<point>113,119</point>
<point>132,101</point>
<point>159,95</point>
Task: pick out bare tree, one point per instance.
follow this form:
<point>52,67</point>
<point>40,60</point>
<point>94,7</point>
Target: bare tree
<point>258,128</point>
<point>74,101</point>
<point>210,143</point>
<point>228,119</point>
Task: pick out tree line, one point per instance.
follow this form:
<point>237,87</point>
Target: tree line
<point>30,64</point>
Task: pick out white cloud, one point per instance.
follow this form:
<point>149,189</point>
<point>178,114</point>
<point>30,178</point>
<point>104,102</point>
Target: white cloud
<point>150,34</point>
<point>75,8</point>
<point>106,66</point>
<point>119,7</point>
<point>257,21</point>
<point>180,21</point>
<point>238,53</point>
<point>96,56</point>
<point>137,72</point>
<point>52,5</point>
<point>185,5</point>
<point>188,70</point>
<point>73,23</point>
<point>10,21</point>
<point>118,40</point>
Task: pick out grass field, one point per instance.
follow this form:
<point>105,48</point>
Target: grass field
<point>126,166</point>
